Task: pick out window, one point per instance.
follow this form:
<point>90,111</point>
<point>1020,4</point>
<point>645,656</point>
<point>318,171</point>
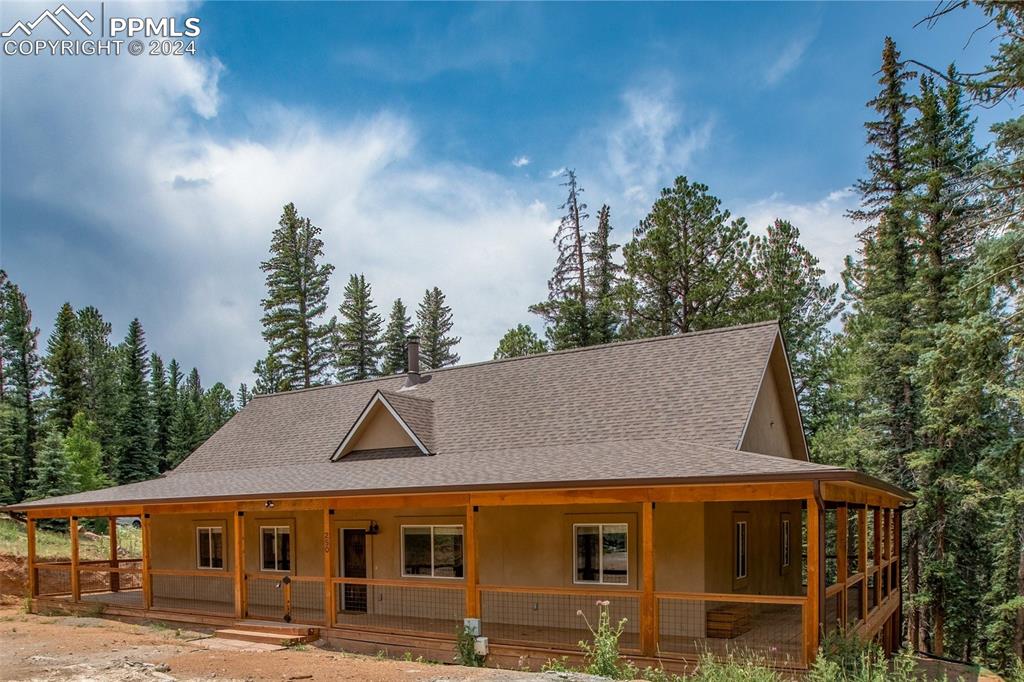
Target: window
<point>740,552</point>
<point>275,548</point>
<point>785,528</point>
<point>601,554</point>
<point>210,547</point>
<point>434,551</point>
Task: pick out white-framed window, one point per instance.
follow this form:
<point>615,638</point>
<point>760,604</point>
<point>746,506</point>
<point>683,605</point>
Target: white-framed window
<point>210,547</point>
<point>740,551</point>
<point>276,548</point>
<point>786,537</point>
<point>432,551</point>
<point>601,553</point>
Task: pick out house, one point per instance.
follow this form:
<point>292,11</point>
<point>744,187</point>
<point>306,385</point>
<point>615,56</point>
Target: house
<point>667,477</point>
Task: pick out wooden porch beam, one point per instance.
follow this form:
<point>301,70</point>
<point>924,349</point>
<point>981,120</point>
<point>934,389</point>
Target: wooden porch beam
<point>33,576</point>
<point>76,590</point>
<point>115,577</point>
<point>833,491</point>
<point>472,576</point>
<point>328,568</point>
<point>648,603</point>
<point>239,561</point>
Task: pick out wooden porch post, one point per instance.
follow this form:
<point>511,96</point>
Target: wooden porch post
<point>648,604</point>
<point>33,577</point>
<point>842,558</point>
<point>328,569</point>
<point>878,556</point>
<point>147,579</point>
<point>862,558</point>
<point>76,590</point>
<point>115,577</point>
<point>813,606</point>
<point>472,574</point>
<point>239,558</point>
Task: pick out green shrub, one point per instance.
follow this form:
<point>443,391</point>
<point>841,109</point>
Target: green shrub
<point>602,655</point>
<point>465,649</point>
<point>734,668</point>
<point>847,658</point>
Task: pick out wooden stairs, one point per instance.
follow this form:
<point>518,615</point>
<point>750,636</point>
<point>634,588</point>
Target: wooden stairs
<point>265,632</point>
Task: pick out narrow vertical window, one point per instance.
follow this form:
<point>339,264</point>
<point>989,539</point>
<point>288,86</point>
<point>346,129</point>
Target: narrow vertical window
<point>785,540</point>
<point>741,550</point>
<point>210,547</point>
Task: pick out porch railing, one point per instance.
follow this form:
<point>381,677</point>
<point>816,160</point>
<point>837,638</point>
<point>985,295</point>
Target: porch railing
<point>298,599</point>
<point>193,591</point>
<point>409,606</point>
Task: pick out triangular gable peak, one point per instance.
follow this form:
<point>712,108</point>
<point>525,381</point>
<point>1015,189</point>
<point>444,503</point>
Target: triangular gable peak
<point>774,425</point>
<point>391,420</point>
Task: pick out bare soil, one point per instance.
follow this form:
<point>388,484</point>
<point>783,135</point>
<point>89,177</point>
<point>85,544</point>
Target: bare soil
<point>35,647</point>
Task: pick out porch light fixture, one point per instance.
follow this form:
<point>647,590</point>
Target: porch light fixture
<point>269,504</point>
<point>374,529</point>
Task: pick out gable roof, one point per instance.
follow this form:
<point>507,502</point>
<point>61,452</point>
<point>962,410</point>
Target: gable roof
<point>413,414</point>
<point>654,410</point>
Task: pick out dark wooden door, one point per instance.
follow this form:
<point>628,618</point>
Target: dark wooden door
<point>353,565</point>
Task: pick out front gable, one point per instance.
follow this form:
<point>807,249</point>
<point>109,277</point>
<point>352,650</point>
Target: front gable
<point>774,426</point>
<point>390,422</point>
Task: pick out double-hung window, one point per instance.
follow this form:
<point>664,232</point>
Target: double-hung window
<point>210,547</point>
<point>601,553</point>
<point>432,551</point>
<point>276,548</point>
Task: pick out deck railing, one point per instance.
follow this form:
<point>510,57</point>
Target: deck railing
<point>410,606</point>
<point>294,598</point>
<point>193,591</point>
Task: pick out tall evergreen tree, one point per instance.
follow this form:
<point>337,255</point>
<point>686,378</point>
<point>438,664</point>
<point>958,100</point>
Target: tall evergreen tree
<point>218,406</point>
<point>270,376</point>
<point>244,395</point>
<point>8,452</point>
<point>189,426</point>
<point>566,311</point>
<point>64,365</point>
<point>518,342</point>
<point>21,379</point>
<point>434,326</point>
<point>297,288</point>
<point>163,412</point>
<point>84,455</point>
<point>100,377</point>
<point>135,459</point>
<point>358,346</point>
<point>688,261</point>
<point>52,475</point>
<point>602,279</point>
<point>395,360</point>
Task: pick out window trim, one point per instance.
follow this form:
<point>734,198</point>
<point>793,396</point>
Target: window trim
<point>223,536</point>
<point>291,548</point>
<point>738,522</point>
<point>433,568</point>
<point>600,543</point>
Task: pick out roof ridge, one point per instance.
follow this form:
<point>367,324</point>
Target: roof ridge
<point>535,356</point>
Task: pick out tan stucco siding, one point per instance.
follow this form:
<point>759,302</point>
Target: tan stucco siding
<point>379,430</point>
<point>767,431</point>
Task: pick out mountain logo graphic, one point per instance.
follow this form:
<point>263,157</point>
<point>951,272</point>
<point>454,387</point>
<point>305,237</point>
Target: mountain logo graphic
<point>53,17</point>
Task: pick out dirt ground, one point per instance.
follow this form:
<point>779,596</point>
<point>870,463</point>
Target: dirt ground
<point>47,648</point>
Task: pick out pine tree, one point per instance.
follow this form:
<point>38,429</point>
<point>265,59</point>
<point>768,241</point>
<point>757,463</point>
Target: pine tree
<point>163,412</point>
<point>8,452</point>
<point>270,376</point>
<point>84,455</point>
<point>434,326</point>
<point>135,460</point>
<point>64,364</point>
<point>518,342</point>
<point>566,311</point>
<point>602,279</point>
<point>395,359</point>
<point>52,475</point>
<point>189,426</point>
<point>687,261</point>
<point>297,288</point>
<point>100,377</point>
<point>21,378</point>
<point>218,406</point>
<point>358,346</point>
<point>244,395</point>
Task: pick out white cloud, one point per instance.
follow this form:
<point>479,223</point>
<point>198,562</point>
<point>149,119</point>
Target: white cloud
<point>190,208</point>
<point>824,228</point>
<point>787,60</point>
<point>521,161</point>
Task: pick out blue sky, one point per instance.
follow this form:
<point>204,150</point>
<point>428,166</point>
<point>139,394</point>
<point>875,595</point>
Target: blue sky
<point>422,138</point>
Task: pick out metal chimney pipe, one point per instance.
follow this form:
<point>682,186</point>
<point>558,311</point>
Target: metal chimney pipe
<point>412,374</point>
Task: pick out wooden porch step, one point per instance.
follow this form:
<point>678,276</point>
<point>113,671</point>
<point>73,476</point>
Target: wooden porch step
<point>277,628</point>
<point>260,637</point>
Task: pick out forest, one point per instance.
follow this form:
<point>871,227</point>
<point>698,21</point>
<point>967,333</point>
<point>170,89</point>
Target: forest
<point>909,369</point>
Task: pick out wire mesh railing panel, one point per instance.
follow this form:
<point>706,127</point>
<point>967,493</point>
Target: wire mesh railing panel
<point>872,602</point>
<point>212,593</point>
<point>101,585</point>
<point>307,601</point>
<point>265,597</point>
<point>413,608</point>
<point>557,620</point>
<point>53,581</point>
<point>854,607</point>
<point>832,619</point>
<point>770,632</point>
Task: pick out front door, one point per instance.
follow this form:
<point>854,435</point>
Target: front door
<point>353,565</point>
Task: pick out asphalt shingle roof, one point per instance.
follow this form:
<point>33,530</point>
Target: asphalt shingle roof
<point>671,408</point>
